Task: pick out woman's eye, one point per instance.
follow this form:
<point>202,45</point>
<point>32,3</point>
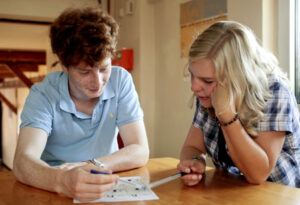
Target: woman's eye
<point>208,82</point>
<point>191,75</point>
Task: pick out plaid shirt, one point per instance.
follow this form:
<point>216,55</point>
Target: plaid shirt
<point>281,115</point>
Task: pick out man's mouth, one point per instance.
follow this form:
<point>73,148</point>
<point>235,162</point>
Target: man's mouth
<point>93,90</point>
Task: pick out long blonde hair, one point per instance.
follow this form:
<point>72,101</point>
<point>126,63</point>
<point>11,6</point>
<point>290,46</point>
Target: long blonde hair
<point>242,66</point>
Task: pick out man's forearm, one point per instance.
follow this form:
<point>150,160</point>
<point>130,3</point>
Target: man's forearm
<point>36,173</point>
<point>130,157</point>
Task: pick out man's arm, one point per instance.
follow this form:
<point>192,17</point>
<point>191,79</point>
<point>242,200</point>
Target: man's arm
<point>135,152</point>
<point>76,183</point>
<point>28,168</point>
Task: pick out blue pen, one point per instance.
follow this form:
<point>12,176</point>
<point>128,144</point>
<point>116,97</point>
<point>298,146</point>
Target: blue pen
<point>122,180</point>
<point>98,172</point>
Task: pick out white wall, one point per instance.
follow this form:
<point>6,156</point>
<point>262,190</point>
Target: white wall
<point>173,116</point>
<point>137,33</point>
<point>260,16</point>
<point>247,12</point>
<point>147,83</point>
<point>153,32</point>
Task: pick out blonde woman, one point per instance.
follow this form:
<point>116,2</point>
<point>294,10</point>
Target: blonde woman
<point>246,117</point>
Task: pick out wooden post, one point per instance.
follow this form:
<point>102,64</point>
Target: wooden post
<point>8,103</point>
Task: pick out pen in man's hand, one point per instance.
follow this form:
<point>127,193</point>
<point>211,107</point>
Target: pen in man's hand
<point>122,180</point>
<point>98,172</point>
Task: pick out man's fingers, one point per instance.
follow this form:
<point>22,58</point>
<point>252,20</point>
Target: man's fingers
<point>85,197</point>
<point>94,188</point>
<point>101,178</point>
<point>87,192</point>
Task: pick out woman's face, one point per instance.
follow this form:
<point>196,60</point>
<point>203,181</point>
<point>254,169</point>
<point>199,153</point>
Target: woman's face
<point>203,80</point>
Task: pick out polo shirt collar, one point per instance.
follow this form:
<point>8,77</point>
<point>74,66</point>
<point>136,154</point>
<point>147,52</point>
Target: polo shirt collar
<point>108,92</point>
<point>67,104</point>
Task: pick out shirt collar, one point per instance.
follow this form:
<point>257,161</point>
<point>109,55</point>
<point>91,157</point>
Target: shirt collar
<point>65,101</point>
<point>108,92</point>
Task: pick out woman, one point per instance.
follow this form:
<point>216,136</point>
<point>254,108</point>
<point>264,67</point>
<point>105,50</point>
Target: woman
<point>246,117</point>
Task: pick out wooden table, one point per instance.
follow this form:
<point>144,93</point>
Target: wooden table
<point>216,188</point>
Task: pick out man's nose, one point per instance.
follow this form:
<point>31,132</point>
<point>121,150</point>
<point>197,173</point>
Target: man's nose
<point>96,78</point>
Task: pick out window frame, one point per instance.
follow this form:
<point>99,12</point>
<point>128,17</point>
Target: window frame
<point>297,50</point>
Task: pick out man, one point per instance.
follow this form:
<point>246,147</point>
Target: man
<point>74,116</point>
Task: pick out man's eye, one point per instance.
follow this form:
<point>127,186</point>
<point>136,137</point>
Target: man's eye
<point>84,72</point>
<point>103,70</point>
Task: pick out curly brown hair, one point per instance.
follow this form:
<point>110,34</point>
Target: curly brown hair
<point>87,35</point>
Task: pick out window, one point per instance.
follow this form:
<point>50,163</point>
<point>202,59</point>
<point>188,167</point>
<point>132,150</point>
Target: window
<point>297,50</point>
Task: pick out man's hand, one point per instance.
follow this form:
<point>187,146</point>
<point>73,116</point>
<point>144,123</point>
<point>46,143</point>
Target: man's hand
<point>79,183</point>
<point>194,169</point>
<point>67,166</point>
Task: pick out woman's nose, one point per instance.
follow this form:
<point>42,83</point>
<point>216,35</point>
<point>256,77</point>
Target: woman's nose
<point>196,85</point>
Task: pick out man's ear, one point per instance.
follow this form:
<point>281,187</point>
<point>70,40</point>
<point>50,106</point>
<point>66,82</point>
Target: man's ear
<point>64,68</point>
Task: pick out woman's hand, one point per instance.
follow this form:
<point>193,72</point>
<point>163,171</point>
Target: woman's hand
<point>194,170</point>
<point>220,100</point>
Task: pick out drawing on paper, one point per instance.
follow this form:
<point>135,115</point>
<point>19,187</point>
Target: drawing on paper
<point>136,190</point>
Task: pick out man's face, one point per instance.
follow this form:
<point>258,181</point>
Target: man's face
<point>86,82</point>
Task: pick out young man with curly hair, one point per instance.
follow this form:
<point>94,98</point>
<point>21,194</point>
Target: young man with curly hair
<point>73,117</point>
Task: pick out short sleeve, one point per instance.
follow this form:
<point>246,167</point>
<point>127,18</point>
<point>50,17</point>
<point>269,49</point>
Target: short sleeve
<point>129,109</point>
<point>280,109</point>
<point>37,111</point>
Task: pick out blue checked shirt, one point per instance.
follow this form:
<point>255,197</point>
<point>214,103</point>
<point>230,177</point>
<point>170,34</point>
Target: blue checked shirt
<point>281,115</point>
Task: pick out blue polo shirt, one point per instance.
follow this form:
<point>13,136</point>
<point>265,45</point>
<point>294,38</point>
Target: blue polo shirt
<point>74,136</point>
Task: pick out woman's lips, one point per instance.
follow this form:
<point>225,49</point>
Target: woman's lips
<point>203,98</point>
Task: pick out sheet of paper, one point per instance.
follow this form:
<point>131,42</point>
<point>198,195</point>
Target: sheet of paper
<point>127,192</point>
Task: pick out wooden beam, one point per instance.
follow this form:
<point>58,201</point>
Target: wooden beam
<point>21,76</point>
<point>8,103</point>
<point>108,6</point>
<point>34,22</point>
<point>38,57</point>
<point>18,83</point>
<point>27,66</point>
<point>7,75</point>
